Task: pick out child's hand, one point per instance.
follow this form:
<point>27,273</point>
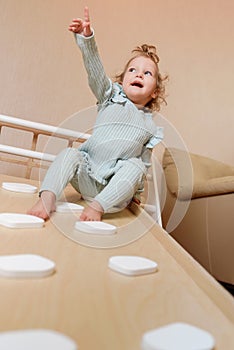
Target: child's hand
<point>80,26</point>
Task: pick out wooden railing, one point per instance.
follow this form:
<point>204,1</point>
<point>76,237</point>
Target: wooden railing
<point>31,158</point>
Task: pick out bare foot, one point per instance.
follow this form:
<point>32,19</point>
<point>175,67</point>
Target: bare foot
<point>93,212</point>
<point>44,206</point>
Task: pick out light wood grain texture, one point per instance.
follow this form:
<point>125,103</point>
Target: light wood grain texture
<point>97,307</point>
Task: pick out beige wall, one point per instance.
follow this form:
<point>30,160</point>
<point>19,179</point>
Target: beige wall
<point>42,77</point>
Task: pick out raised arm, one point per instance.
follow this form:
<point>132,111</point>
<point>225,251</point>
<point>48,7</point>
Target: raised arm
<point>99,83</point>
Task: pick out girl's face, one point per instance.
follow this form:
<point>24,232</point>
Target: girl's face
<point>140,80</point>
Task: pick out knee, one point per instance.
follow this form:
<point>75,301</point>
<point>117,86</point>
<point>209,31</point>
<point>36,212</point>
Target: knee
<point>69,157</point>
<point>135,166</point>
<point>131,174</point>
<point>69,154</point>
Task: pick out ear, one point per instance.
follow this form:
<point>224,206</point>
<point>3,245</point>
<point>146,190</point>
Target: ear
<point>154,94</point>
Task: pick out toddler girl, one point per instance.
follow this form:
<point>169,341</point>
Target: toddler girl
<point>109,168</point>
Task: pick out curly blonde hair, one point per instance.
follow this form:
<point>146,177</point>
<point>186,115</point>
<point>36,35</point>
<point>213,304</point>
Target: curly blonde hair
<point>148,51</point>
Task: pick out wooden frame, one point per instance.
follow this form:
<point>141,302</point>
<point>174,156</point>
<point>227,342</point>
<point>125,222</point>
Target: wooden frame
<point>33,157</point>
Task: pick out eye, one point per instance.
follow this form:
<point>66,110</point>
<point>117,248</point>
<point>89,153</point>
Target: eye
<point>132,69</point>
<point>148,73</point>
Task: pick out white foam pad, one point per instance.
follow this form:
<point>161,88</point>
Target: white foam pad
<point>25,265</point>
<point>132,265</point>
<point>14,220</point>
<point>19,187</point>
<point>96,227</point>
<point>64,207</point>
<point>178,336</point>
<point>36,339</point>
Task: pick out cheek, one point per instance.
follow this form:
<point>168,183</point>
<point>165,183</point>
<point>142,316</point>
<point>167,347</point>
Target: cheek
<point>124,82</point>
<point>125,79</point>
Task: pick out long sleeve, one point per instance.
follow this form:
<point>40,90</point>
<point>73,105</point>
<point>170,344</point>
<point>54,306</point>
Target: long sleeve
<point>99,83</point>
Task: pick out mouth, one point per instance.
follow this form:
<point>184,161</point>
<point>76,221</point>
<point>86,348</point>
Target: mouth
<point>137,84</point>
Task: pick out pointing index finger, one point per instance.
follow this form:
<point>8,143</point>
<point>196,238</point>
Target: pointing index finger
<point>86,14</point>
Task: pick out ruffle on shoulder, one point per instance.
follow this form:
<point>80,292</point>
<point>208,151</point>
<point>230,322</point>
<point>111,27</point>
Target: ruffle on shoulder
<point>118,95</point>
<point>156,138</point>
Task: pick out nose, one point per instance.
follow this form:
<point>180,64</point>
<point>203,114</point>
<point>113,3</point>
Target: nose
<point>139,74</point>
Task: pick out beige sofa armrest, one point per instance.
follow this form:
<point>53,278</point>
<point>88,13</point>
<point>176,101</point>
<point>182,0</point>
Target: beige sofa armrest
<point>193,176</point>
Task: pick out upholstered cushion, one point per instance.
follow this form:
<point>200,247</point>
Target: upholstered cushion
<point>190,175</point>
